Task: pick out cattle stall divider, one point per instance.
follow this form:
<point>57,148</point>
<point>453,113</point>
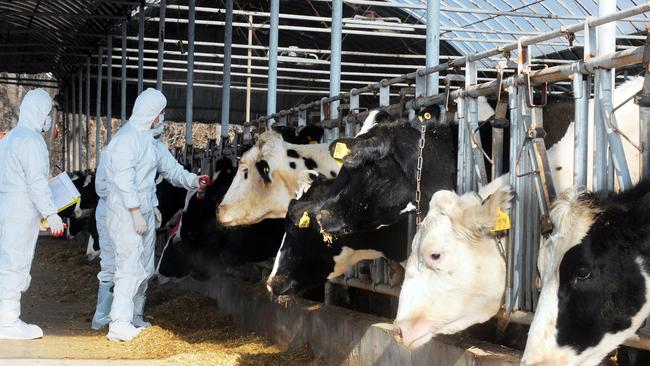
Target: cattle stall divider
<point>530,174</point>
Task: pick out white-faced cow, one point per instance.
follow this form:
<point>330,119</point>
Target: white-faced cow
<point>267,179</point>
<point>306,260</point>
<point>455,275</point>
<point>595,270</point>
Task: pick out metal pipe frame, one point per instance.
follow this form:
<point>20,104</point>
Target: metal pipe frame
<point>141,45</point>
<point>225,99</point>
<point>476,163</point>
<point>98,107</point>
<point>249,64</point>
<point>581,91</point>
<point>433,43</point>
<point>109,88</point>
<point>524,41</point>
<point>271,102</point>
<point>189,91</point>
<point>161,44</point>
<point>123,76</point>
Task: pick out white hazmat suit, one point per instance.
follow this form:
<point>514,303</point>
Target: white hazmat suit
<point>25,197</point>
<point>130,167</point>
<point>171,170</point>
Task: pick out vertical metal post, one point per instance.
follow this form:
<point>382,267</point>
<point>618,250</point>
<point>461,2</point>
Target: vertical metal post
<point>141,45</point>
<point>189,91</point>
<point>513,270</point>
<point>109,87</point>
<point>433,43</point>
<point>302,118</point>
<point>272,89</point>
<point>249,64</point>
<point>73,128</point>
<point>581,93</point>
<point>336,44</point>
<point>80,113</point>
<point>123,76</point>
<point>98,107</point>
<point>227,54</point>
<point>351,127</point>
<point>64,138</point>
<point>87,134</point>
<point>384,93</point>
<point>461,176</point>
<point>477,172</point>
<point>161,44</point>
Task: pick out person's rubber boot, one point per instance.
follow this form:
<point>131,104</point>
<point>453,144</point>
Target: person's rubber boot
<point>138,310</point>
<point>103,309</point>
<point>122,331</point>
<point>11,327</point>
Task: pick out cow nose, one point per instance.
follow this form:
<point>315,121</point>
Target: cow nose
<point>329,223</point>
<point>282,285</point>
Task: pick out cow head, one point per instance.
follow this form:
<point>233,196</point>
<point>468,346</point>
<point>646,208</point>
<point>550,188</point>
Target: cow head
<point>455,275</point>
<point>595,277</point>
<point>303,260</point>
<point>268,177</point>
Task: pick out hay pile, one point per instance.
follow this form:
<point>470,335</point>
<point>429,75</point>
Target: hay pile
<point>188,328</point>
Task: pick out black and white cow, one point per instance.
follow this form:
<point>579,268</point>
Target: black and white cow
<point>595,270</point>
<point>254,243</point>
<point>306,135</point>
<point>377,180</point>
<point>306,260</point>
<point>268,177</point>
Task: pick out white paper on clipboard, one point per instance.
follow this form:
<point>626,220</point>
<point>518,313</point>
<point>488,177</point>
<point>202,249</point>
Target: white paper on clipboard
<point>64,193</point>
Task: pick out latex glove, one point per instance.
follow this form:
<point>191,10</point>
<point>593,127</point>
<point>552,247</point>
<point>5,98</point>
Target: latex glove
<point>56,225</point>
<point>139,223</point>
<point>203,182</point>
<point>158,215</point>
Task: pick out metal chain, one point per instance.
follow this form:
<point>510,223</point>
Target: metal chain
<point>418,174</point>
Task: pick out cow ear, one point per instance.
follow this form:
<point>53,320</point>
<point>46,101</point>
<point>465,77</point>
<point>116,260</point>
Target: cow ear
<point>264,170</point>
<point>354,152</point>
<point>491,216</point>
<point>446,202</point>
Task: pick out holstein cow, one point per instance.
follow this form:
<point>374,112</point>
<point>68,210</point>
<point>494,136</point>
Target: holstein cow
<point>254,243</point>
<point>267,179</point>
<point>305,260</point>
<point>595,270</point>
<point>455,275</point>
<point>377,180</point>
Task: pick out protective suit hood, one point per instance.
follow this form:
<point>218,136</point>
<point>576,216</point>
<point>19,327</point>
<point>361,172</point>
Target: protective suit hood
<point>147,107</point>
<point>34,109</point>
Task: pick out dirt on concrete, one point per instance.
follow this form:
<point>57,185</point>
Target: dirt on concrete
<point>187,327</point>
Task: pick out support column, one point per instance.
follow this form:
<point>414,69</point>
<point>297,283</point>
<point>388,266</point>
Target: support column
<point>249,61</point>
<point>123,76</point>
<point>581,91</point>
<point>141,46</point>
<point>271,94</point>
<point>73,128</point>
<point>161,44</point>
<point>80,113</point>
<point>227,53</point>
<point>109,87</point>
<point>98,107</point>
<point>433,44</point>
<point>335,59</point>
<point>87,132</point>
<point>189,94</point>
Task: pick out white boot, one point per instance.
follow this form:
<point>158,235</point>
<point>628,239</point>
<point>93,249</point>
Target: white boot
<point>103,309</point>
<point>20,330</point>
<point>11,327</point>
<point>138,310</point>
<point>122,331</point>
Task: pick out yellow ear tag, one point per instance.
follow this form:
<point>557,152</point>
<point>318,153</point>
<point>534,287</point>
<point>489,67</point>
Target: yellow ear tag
<point>304,221</point>
<point>502,222</point>
<point>340,151</point>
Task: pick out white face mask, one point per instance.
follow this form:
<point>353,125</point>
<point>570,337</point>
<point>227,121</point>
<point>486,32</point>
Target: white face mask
<point>158,130</point>
<point>47,124</point>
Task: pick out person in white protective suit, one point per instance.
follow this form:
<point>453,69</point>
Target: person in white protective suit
<point>172,171</point>
<point>25,197</point>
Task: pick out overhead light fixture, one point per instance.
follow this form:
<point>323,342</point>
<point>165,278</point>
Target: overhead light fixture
<point>375,23</point>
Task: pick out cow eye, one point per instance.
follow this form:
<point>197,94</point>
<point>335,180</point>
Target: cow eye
<point>582,274</point>
<point>245,173</point>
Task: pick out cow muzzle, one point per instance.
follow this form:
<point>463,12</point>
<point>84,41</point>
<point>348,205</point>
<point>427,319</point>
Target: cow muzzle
<point>282,285</point>
<point>330,225</point>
